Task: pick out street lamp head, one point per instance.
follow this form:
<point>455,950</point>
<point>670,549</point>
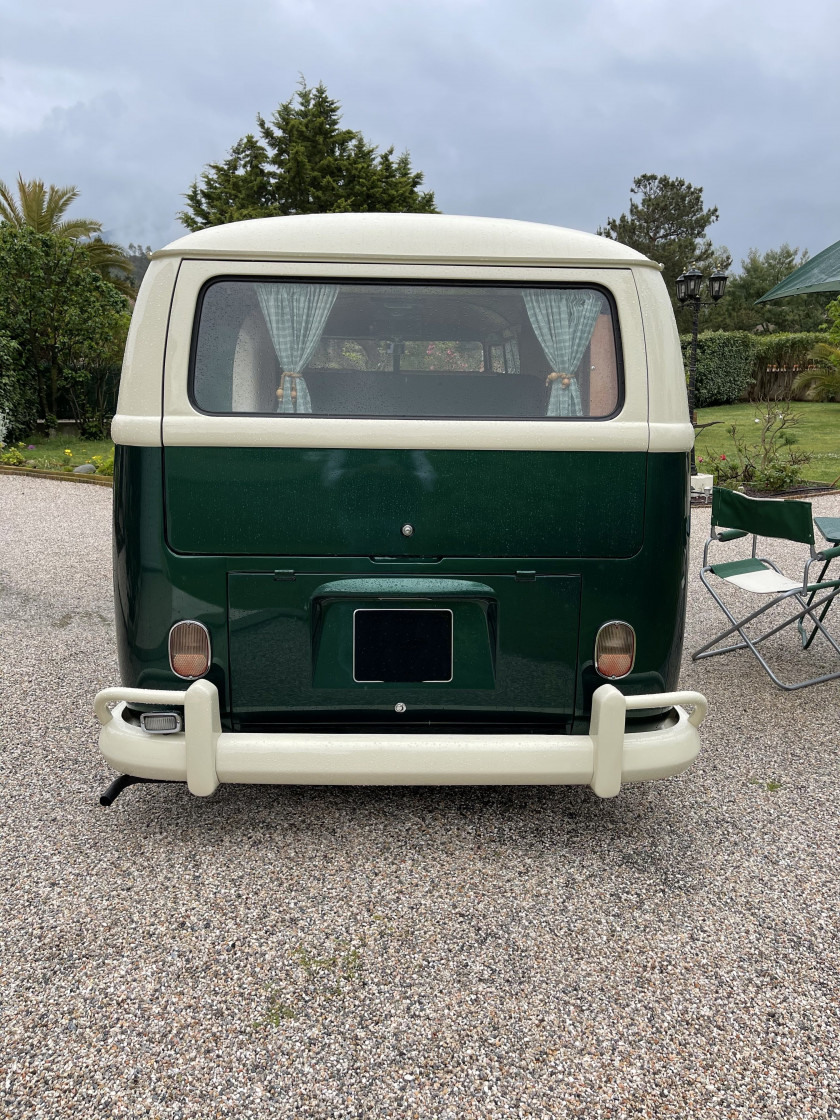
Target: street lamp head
<point>682,288</point>
<point>717,285</point>
<point>693,280</point>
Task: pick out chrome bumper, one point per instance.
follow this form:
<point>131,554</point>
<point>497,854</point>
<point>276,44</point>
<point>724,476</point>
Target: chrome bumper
<point>203,755</point>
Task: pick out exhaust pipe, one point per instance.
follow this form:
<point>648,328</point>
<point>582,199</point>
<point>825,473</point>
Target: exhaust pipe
<point>123,782</point>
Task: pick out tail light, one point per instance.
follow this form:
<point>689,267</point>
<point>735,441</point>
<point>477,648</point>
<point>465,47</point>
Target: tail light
<point>615,650</point>
<point>189,650</point>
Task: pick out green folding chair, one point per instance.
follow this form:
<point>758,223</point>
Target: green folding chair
<point>779,520</point>
<point>829,528</point>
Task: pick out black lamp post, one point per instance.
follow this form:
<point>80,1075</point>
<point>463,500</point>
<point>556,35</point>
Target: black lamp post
<point>688,291</point>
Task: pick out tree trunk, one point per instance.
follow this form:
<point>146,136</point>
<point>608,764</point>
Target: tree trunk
<point>53,391</point>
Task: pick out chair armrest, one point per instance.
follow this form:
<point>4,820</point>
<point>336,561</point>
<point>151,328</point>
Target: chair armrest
<point>731,534</point>
<point>828,553</point>
<point>830,528</point>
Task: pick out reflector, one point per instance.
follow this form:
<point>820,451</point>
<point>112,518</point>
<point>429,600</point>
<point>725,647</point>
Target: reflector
<point>160,723</point>
<point>189,649</point>
<point>615,650</point>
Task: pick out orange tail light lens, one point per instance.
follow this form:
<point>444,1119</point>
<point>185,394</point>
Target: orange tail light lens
<point>189,650</point>
<point>615,650</point>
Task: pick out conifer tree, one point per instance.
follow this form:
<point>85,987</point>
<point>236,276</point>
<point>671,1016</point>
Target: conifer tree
<point>667,222</point>
<point>304,162</point>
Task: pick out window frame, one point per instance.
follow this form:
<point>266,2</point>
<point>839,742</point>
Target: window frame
<point>343,281</point>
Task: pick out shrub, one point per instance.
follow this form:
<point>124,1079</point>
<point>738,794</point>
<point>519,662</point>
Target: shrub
<point>103,465</point>
<point>771,464</point>
<point>18,402</point>
<point>11,457</point>
<point>724,366</point>
<point>778,359</point>
<point>822,383</point>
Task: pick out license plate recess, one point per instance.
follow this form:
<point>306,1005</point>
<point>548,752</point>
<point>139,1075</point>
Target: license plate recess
<point>402,645</point>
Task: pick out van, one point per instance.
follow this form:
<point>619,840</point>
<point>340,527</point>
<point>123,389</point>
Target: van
<point>400,499</point>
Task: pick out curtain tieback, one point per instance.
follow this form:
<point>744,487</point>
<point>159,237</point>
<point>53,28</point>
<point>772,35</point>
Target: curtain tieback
<point>564,379</point>
<point>292,377</point>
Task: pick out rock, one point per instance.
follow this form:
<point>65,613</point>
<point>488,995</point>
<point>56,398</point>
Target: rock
<point>31,463</point>
<point>85,468</point>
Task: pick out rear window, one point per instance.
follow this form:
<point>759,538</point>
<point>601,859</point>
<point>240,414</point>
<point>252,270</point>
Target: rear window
<point>405,350</point>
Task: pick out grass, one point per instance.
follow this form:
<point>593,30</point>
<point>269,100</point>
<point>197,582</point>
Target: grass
<point>50,454</point>
<point>818,432</point>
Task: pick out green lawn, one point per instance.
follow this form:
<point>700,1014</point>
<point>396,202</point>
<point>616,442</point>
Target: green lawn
<point>50,454</point>
<point>818,431</point>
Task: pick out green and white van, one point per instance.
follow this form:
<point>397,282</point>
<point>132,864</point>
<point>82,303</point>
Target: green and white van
<point>400,499</point>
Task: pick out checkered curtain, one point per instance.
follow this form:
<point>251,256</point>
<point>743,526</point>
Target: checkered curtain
<point>563,321</point>
<point>295,315</point>
<point>511,353</point>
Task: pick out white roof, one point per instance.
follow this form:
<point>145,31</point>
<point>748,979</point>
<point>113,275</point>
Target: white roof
<point>438,238</point>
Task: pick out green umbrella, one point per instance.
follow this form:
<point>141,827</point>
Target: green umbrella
<point>820,274</point>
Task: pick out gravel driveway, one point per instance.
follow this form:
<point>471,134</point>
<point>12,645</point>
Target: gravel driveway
<point>305,952</point>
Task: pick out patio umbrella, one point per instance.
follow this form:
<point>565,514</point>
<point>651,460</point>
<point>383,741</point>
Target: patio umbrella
<point>820,274</point>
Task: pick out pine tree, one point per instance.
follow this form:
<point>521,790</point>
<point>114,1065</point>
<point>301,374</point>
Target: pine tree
<point>231,191</point>
<point>668,224</point>
<point>305,162</point>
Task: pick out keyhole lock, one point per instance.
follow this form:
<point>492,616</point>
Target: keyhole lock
<point>399,707</point>
<point>407,530</point>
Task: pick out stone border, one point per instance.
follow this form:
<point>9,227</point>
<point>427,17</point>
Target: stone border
<point>60,476</point>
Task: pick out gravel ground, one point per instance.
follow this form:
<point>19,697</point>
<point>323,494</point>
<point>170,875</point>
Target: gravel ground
<point>305,952</point>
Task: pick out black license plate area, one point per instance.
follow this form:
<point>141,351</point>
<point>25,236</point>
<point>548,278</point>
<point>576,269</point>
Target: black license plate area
<point>402,646</point>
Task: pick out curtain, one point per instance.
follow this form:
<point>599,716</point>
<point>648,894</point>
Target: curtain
<point>511,354</point>
<point>295,315</point>
<point>563,321</point>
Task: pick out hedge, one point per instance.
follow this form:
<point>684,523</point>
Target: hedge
<point>18,401</point>
<point>734,364</point>
<point>779,357</point>
<point>725,362</point>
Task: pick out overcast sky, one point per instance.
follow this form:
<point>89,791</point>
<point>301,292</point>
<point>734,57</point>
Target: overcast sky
<point>537,109</point>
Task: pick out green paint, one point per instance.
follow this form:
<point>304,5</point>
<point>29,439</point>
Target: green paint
<point>292,502</point>
<point>537,670</point>
<point>512,638</point>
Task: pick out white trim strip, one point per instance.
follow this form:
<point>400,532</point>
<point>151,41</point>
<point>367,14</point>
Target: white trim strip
<point>436,260</point>
<point>416,435</point>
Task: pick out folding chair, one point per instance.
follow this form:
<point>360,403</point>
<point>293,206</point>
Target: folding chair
<point>780,520</point>
<point>829,527</point>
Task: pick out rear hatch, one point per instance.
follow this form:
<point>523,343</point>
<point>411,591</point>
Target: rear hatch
<point>371,587</point>
<point>348,502</point>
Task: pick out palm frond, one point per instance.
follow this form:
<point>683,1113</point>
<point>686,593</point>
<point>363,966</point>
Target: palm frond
<point>33,195</point>
<point>42,208</point>
<point>8,207</point>
<point>56,203</point>
<point>112,263</point>
<point>75,229</point>
<point>823,383</point>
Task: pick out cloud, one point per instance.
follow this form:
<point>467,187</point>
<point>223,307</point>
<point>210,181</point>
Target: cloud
<point>545,111</point>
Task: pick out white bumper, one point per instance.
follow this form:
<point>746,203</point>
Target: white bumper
<point>203,755</point>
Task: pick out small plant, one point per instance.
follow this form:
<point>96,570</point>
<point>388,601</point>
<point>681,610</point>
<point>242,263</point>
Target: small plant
<point>12,457</point>
<point>276,1013</point>
<point>340,966</point>
<point>823,383</point>
<point>773,786</point>
<point>330,975</point>
<point>771,462</point>
<point>104,465</point>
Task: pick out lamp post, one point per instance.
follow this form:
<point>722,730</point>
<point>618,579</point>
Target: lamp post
<point>689,286</point>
